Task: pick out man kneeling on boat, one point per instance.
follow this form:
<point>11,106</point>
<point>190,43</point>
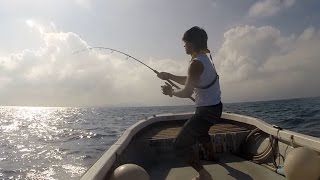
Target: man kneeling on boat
<point>202,80</point>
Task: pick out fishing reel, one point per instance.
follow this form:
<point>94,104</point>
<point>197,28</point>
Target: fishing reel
<point>167,89</point>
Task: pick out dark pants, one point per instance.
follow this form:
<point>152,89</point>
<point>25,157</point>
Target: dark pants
<point>196,130</point>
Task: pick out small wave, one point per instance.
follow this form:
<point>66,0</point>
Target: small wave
<point>75,171</point>
<point>46,174</point>
<point>99,136</point>
<point>88,157</point>
<point>73,152</point>
<point>309,114</point>
<point>291,123</point>
<point>9,172</point>
<point>75,137</point>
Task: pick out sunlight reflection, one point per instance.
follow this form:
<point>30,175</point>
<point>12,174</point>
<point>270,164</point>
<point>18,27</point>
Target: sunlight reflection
<point>30,113</point>
<point>34,136</point>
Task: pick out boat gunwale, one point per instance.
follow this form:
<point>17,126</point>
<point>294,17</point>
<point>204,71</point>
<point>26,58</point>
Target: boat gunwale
<point>294,138</point>
<point>100,168</point>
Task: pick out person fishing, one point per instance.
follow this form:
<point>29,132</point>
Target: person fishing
<point>203,81</point>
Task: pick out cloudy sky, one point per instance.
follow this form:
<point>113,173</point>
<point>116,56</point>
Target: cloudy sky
<point>263,50</point>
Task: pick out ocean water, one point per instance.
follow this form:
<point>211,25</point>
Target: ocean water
<point>62,143</point>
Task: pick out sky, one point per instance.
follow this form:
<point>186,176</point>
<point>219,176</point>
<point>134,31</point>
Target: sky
<point>262,50</point>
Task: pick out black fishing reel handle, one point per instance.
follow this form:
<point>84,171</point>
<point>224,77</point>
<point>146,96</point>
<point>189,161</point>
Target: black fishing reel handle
<point>192,99</point>
<point>168,80</point>
<point>174,85</point>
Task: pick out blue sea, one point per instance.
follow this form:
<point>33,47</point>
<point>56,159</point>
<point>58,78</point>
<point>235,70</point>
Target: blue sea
<point>63,142</point>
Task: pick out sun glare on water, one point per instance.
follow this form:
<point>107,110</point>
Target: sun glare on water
<point>34,139</point>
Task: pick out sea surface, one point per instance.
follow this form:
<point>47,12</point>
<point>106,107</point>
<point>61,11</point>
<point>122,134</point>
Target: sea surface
<point>62,143</point>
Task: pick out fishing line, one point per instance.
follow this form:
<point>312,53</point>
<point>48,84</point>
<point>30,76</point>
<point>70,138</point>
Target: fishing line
<point>129,56</point>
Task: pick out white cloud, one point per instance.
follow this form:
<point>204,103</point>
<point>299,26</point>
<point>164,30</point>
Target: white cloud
<point>308,34</point>
<point>260,63</point>
<point>53,76</point>
<point>253,63</point>
<point>266,8</point>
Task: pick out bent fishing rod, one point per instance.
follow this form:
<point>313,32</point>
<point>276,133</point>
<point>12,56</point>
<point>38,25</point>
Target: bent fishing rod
<point>129,56</point>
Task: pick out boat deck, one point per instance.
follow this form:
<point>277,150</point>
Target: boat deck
<point>165,130</point>
<point>230,167</point>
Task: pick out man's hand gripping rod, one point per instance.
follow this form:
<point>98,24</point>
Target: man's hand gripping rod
<point>173,84</point>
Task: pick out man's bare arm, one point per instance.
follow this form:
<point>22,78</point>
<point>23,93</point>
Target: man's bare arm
<point>194,72</point>
<point>179,79</point>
